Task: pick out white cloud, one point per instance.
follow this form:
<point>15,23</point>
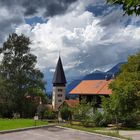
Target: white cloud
<point>86,41</point>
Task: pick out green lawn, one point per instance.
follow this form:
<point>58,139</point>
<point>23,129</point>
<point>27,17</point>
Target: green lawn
<point>7,124</point>
<point>135,128</point>
<point>98,130</point>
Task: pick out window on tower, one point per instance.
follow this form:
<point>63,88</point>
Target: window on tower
<point>60,90</point>
<point>59,100</point>
<point>59,95</point>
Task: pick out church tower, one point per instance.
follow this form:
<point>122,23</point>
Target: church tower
<point>59,83</point>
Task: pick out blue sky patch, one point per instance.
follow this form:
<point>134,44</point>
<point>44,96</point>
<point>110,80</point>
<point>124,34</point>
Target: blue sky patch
<point>34,20</point>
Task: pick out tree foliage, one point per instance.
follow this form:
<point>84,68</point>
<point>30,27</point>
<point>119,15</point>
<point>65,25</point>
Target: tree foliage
<point>129,6</point>
<point>83,112</point>
<point>6,104</point>
<point>19,73</point>
<point>124,103</point>
<point>65,112</point>
<point>100,119</point>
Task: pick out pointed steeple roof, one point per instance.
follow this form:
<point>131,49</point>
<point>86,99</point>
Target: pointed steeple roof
<point>59,75</point>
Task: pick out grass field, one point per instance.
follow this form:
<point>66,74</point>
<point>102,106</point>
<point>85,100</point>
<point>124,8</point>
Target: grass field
<point>98,130</point>
<point>7,124</point>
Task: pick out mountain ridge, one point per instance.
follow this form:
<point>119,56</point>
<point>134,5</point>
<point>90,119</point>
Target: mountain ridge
<point>96,75</point>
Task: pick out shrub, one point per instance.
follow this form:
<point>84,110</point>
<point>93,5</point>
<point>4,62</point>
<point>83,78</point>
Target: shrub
<point>65,113</point>
<point>97,118</point>
<point>6,110</point>
<point>83,112</point>
<point>100,119</point>
<point>48,114</point>
<point>87,121</point>
<point>16,116</point>
<point>130,121</point>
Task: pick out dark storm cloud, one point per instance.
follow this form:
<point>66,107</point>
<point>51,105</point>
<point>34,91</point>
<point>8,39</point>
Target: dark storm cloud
<point>9,19</point>
<point>30,11</point>
<point>13,12</point>
<point>31,7</point>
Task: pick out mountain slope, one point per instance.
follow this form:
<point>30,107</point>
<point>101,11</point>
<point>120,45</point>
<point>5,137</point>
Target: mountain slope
<point>97,75</point>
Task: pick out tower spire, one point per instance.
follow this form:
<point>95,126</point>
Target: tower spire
<point>59,75</point>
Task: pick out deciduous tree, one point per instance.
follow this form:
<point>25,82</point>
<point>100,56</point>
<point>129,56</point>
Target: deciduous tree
<point>19,71</point>
<point>124,103</point>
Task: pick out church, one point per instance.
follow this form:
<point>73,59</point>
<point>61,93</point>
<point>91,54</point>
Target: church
<point>91,90</point>
<point>59,89</point>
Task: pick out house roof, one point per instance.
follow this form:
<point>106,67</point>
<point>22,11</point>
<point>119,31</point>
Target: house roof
<point>99,87</point>
<point>59,75</point>
<point>71,103</point>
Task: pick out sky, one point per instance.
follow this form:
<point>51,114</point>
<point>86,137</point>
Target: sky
<point>88,34</point>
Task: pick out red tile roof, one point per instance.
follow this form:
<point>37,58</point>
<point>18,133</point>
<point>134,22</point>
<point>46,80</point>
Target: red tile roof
<point>71,103</point>
<point>92,87</point>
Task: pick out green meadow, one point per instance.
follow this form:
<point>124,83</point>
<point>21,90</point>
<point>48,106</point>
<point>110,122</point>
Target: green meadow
<point>7,124</point>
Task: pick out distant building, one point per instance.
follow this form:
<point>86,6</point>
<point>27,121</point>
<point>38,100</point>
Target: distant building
<point>70,103</point>
<point>59,85</point>
<point>92,90</point>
